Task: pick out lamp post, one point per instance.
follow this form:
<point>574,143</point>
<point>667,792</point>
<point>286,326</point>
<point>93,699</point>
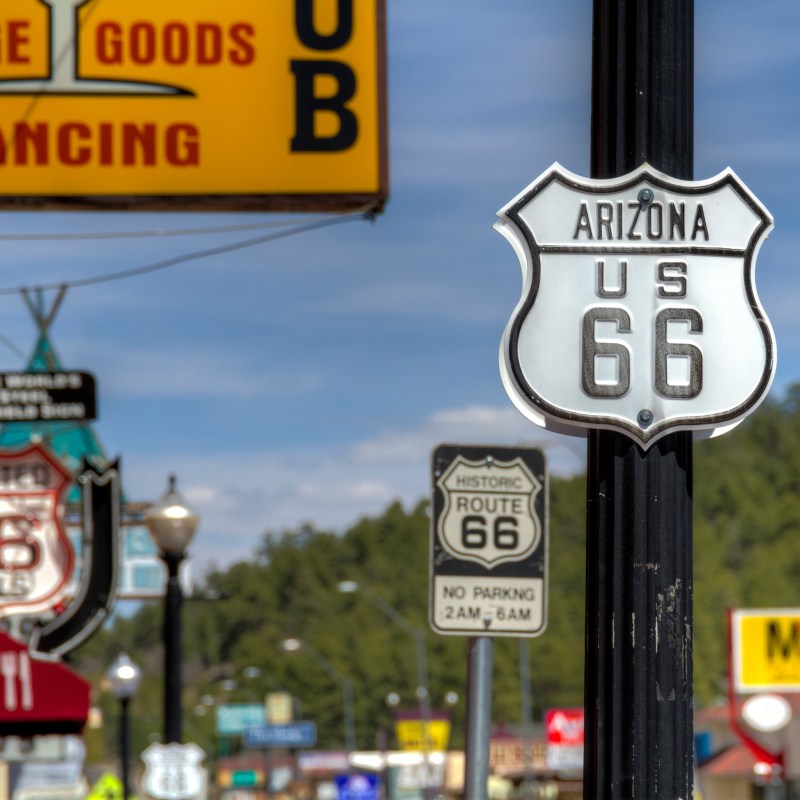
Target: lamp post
<point>423,695</point>
<point>292,646</point>
<point>418,635</point>
<point>123,677</point>
<point>172,524</point>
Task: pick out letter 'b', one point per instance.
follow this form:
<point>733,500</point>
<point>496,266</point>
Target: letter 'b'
<point>308,104</point>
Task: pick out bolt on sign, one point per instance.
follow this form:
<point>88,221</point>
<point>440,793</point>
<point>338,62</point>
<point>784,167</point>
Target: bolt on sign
<point>639,311</point>
<point>193,104</point>
<point>489,541</point>
<point>765,645</point>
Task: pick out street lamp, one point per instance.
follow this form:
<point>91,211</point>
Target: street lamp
<point>172,525</point>
<point>423,695</point>
<point>292,646</point>
<point>123,677</point>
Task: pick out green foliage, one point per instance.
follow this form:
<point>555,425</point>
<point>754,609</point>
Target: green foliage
<point>746,525</point>
<point>747,554</point>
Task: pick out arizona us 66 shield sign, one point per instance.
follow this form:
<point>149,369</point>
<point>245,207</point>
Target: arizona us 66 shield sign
<point>489,541</point>
<point>638,312</point>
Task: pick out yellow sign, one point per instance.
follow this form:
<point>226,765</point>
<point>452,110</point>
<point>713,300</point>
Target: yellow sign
<point>279,708</point>
<point>410,732</point>
<point>193,103</point>
<point>766,649</point>
<point>109,787</point>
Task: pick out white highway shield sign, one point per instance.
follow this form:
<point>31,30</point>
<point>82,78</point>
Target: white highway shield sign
<point>638,312</point>
<point>489,541</point>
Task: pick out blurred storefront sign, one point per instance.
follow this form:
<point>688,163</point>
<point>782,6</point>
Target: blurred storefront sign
<point>357,787</point>
<point>47,396</point>
<point>314,763</point>
<point>234,718</point>
<point>412,731</point>
<point>565,730</point>
<point>766,649</point>
<point>515,755</point>
<point>279,707</point>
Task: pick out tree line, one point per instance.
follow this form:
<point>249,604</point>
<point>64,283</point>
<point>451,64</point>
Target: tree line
<point>746,554</point>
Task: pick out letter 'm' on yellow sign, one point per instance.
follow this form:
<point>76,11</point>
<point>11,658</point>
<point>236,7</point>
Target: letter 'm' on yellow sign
<point>193,103</point>
<point>766,649</point>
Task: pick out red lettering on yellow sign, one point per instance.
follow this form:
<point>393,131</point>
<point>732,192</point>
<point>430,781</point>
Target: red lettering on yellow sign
<point>107,144</point>
<point>175,43</point>
<point>14,41</point>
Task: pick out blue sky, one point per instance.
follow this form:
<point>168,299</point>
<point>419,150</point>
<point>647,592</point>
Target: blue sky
<point>308,379</point>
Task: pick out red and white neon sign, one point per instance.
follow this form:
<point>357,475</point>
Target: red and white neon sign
<point>36,556</point>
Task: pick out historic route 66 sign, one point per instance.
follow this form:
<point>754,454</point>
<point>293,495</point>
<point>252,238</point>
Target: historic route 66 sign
<point>488,514</point>
<point>489,541</point>
<point>638,312</point>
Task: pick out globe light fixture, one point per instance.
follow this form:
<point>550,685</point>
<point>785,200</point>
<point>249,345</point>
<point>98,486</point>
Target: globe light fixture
<point>123,677</point>
<point>172,525</point>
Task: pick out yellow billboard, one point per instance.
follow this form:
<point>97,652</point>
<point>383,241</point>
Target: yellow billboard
<point>766,649</point>
<point>193,103</point>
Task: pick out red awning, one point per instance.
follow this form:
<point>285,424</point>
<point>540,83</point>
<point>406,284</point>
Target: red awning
<point>38,697</point>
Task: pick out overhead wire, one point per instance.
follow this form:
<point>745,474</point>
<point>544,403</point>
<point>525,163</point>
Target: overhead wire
<point>309,225</point>
<point>155,233</point>
<point>191,256</point>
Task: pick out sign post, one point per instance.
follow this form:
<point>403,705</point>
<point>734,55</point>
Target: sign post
<point>488,568</point>
<point>632,277</point>
<point>639,742</point>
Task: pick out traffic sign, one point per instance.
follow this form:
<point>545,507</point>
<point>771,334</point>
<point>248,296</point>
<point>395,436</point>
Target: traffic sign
<point>292,734</point>
<point>489,541</point>
<point>639,312</point>
<point>766,649</point>
<point>174,772</point>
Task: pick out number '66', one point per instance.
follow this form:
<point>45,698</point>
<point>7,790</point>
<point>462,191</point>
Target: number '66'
<point>475,532</point>
<point>664,350</point>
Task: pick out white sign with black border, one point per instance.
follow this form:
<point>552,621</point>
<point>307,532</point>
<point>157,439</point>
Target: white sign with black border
<point>489,541</point>
<point>639,311</point>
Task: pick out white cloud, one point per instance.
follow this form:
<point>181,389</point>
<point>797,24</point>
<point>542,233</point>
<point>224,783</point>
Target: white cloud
<point>241,495</point>
<point>210,371</point>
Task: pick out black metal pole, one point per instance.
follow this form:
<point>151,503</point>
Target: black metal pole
<point>172,650</point>
<point>639,511</point>
<point>124,746</point>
